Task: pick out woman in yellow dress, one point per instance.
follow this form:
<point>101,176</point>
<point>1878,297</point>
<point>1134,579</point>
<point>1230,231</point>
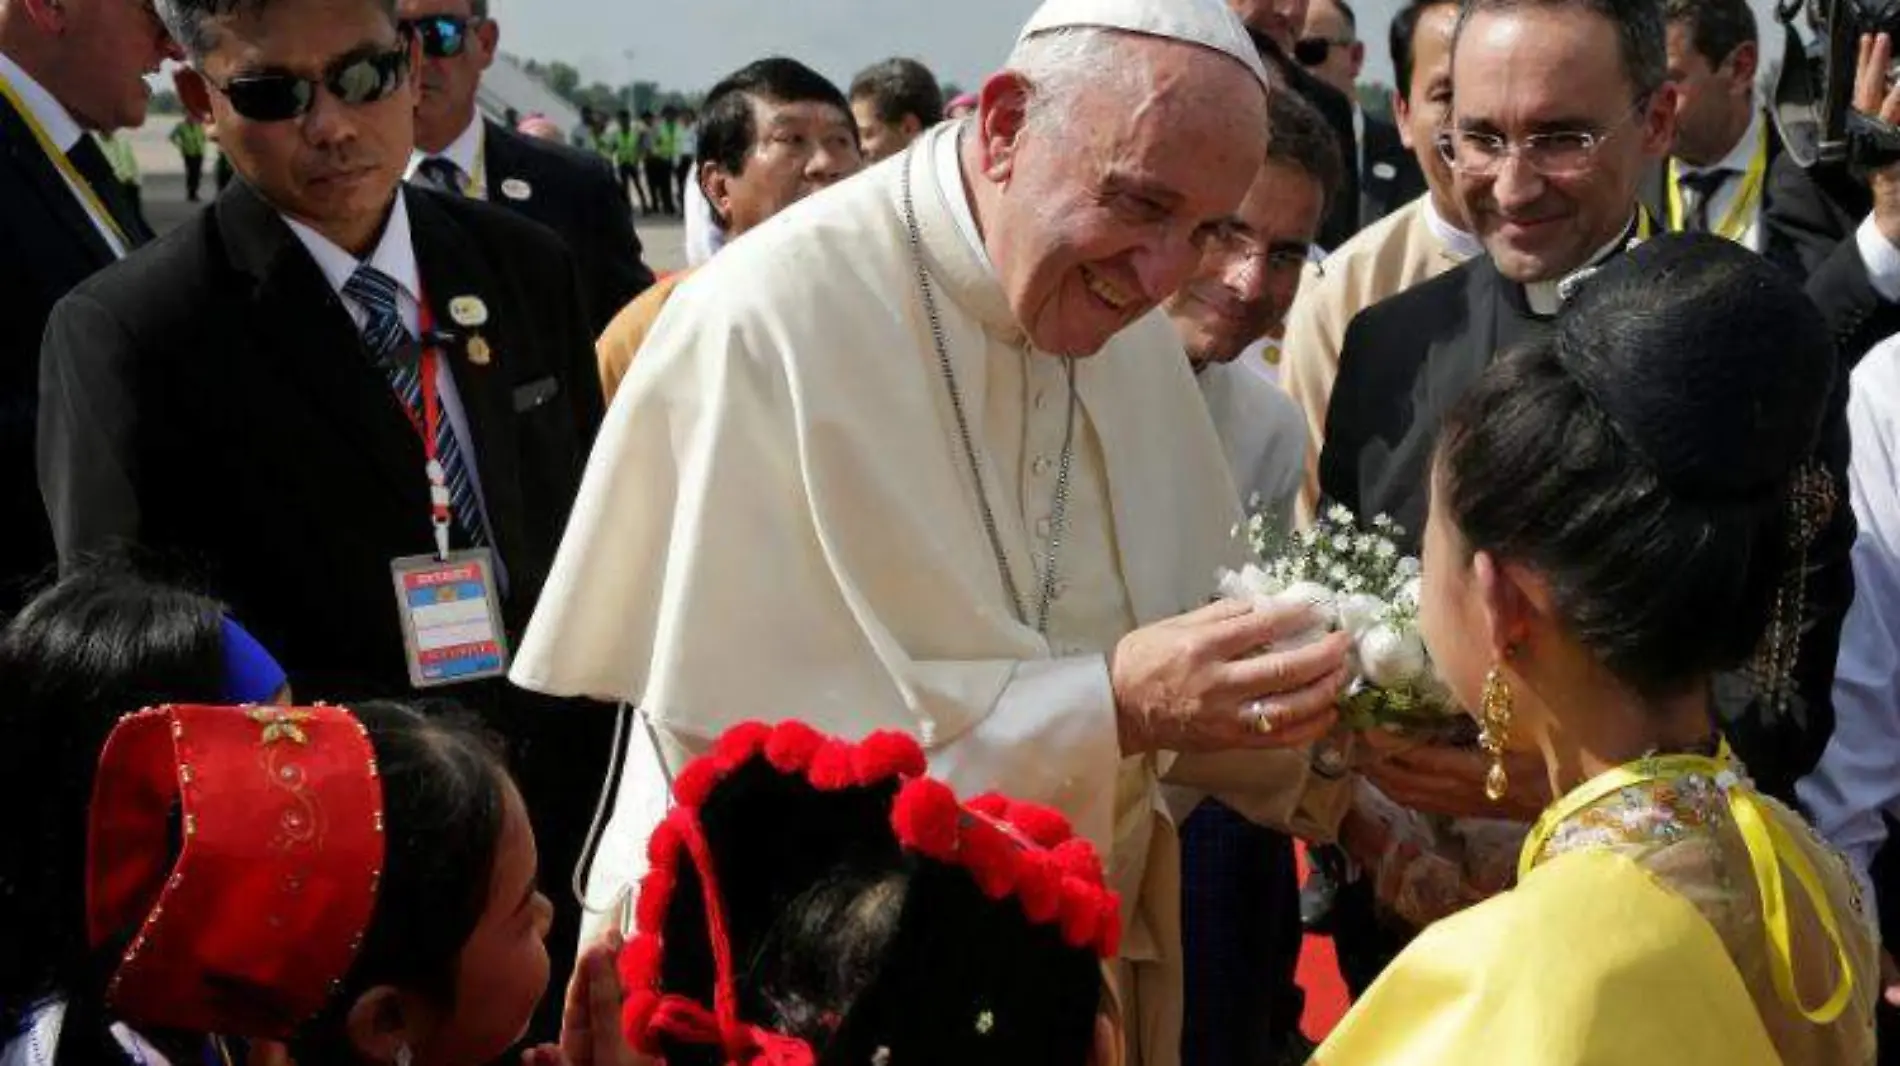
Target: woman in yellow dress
<point>1619,514</point>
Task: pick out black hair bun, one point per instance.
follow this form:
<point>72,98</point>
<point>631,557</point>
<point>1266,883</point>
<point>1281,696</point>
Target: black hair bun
<point>1708,361</point>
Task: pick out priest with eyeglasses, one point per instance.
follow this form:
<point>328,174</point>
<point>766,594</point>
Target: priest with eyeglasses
<point>1558,109</point>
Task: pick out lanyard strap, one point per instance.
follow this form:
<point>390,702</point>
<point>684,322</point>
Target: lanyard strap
<point>1768,844</point>
<point>1734,222</point>
<point>441,515</point>
<point>89,198</point>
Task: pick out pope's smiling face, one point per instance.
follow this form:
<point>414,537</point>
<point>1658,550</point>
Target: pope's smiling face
<point>1100,209</point>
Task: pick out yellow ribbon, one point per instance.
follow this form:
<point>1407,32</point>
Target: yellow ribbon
<point>1734,224</point>
<point>94,206</point>
<point>1768,844</point>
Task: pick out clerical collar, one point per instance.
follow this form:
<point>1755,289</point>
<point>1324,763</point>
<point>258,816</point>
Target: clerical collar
<point>956,192</point>
<point>465,151</point>
<point>394,255</point>
<point>1546,298</point>
<point>60,126</point>
<point>1459,243</point>
<point>1739,156</point>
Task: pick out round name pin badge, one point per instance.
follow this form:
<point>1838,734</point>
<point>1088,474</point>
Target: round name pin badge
<point>516,189</point>
<point>468,311</point>
<point>1384,171</point>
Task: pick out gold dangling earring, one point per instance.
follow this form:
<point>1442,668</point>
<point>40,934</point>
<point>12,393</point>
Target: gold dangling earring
<point>1494,721</point>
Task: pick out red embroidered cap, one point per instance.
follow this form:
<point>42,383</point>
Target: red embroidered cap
<point>770,811</point>
<point>240,848</point>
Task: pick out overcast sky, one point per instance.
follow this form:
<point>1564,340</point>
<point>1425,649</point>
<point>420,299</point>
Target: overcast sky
<point>688,44</point>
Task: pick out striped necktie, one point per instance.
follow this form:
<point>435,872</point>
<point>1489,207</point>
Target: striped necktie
<point>385,336</point>
<point>438,172</point>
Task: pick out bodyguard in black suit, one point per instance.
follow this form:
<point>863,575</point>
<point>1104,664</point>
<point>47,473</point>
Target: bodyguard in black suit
<point>234,395</point>
<point>1390,177</point>
<point>62,217</point>
<point>1408,359</point>
<point>1274,27</point>
<point>574,193</point>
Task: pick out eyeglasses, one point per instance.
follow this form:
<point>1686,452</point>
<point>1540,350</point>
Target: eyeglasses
<point>442,36</point>
<point>1312,51</point>
<point>1557,154</point>
<point>353,81</point>
<point>1231,240</point>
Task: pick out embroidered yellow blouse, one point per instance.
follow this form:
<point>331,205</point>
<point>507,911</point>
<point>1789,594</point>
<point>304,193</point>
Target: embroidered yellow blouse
<point>1638,934</point>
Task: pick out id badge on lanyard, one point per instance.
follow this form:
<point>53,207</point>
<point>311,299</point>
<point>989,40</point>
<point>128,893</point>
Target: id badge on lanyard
<point>448,602</point>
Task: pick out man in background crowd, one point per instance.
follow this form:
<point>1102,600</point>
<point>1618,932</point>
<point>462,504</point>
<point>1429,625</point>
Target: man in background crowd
<point>775,132</point>
<point>573,193</point>
<point>1717,176</point>
<point>66,68</point>
<point>1330,47</point>
<point>893,102</point>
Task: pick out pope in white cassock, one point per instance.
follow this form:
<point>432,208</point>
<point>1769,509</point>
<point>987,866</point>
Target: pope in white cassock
<point>921,454</point>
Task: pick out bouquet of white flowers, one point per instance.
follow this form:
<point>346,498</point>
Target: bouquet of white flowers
<point>1355,580</point>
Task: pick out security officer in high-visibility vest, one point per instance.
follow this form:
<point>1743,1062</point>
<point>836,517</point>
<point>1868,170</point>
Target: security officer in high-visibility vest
<point>189,137</point>
<point>627,144</point>
<point>659,161</point>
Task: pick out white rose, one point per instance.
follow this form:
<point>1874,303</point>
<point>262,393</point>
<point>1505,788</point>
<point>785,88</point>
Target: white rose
<point>1391,658</point>
<point>1319,603</point>
<point>1359,613</point>
<point>1249,584</point>
<point>1320,599</point>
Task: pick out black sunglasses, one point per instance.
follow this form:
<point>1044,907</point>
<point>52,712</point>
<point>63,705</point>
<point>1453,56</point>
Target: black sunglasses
<point>442,36</point>
<point>1312,51</point>
<point>279,97</point>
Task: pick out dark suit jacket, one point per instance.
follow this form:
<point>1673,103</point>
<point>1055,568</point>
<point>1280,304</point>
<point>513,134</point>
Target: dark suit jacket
<point>574,194</point>
<point>1391,177</point>
<point>1408,359</point>
<point>210,399</point>
<point>50,245</point>
<point>1809,219</point>
<point>1342,219</point>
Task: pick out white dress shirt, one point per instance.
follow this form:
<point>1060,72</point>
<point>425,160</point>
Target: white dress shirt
<point>395,255</point>
<point>1736,162</point>
<point>465,151</point>
<point>1859,775</point>
<point>64,131</point>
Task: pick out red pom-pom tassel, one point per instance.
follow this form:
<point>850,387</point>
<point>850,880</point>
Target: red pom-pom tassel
<point>791,747</point>
<point>990,857</point>
<point>925,817</point>
<point>1039,888</point>
<point>887,754</point>
<point>1043,825</point>
<point>831,768</point>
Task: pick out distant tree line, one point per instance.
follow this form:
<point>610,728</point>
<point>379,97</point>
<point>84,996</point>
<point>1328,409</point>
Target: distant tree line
<point>636,96</point>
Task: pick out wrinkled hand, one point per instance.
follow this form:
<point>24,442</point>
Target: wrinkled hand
<point>1872,97</point>
<point>590,1022</point>
<point>1194,683</point>
<point>1438,779</point>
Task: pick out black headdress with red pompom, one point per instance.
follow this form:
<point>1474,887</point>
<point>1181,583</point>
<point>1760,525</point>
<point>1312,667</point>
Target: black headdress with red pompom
<point>996,949</point>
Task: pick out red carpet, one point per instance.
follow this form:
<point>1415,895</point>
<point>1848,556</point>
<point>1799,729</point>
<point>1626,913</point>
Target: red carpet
<point>1326,998</point>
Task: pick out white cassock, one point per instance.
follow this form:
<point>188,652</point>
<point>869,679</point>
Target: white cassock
<point>779,522</point>
<point>1262,432</point>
